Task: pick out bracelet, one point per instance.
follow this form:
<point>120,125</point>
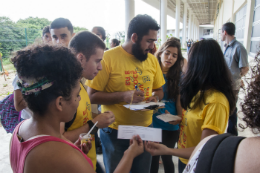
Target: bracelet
<point>91,124</point>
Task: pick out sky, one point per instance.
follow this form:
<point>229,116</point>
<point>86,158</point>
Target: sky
<point>109,14</point>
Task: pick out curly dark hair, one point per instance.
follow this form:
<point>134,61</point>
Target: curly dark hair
<point>56,64</point>
<point>174,74</point>
<point>207,69</point>
<point>141,24</point>
<point>251,104</point>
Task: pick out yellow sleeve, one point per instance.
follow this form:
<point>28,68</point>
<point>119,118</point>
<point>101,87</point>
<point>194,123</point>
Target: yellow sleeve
<point>158,77</point>
<point>100,81</point>
<point>216,117</point>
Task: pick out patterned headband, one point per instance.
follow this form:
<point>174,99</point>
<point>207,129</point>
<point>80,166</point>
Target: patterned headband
<point>30,86</point>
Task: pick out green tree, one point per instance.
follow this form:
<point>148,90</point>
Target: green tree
<point>33,22</point>
<point>8,35</point>
<point>77,29</point>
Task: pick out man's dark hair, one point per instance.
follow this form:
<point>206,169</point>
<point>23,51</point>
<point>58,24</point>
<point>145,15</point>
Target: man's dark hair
<point>86,42</point>
<point>102,31</point>
<point>207,69</point>
<point>62,23</point>
<point>56,64</point>
<point>230,28</point>
<point>141,24</point>
<point>45,30</point>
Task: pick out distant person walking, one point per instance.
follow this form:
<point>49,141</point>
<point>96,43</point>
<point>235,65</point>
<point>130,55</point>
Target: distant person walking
<point>188,45</point>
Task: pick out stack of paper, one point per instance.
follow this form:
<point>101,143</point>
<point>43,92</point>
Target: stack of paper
<point>146,133</point>
<point>143,105</point>
<point>168,117</point>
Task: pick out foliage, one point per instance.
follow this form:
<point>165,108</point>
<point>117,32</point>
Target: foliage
<point>121,36</point>
<point>15,36</point>
<point>77,29</point>
<point>107,40</point>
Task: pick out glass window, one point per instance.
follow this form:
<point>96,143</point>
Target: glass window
<point>255,39</point>
<point>257,2</point>
<point>240,23</point>
<point>254,46</point>
<point>257,14</point>
<point>255,30</point>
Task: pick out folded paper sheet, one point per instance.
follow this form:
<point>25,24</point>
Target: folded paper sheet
<point>144,105</point>
<point>146,133</point>
<point>168,117</point>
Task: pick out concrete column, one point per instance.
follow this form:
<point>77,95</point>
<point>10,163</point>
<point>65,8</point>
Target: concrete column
<point>192,27</point>
<point>184,26</point>
<point>163,15</point>
<point>129,14</point>
<point>198,32</point>
<point>232,15</point>
<point>189,26</point>
<point>177,19</point>
<point>249,22</point>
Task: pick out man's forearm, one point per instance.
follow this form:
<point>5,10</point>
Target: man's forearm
<point>106,98</point>
<point>73,135</point>
<point>159,93</point>
<point>244,70</point>
<point>125,163</point>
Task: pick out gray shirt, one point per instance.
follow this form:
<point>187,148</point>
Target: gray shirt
<point>236,57</point>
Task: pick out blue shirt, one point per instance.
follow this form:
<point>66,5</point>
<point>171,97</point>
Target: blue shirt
<point>236,57</point>
<point>170,105</point>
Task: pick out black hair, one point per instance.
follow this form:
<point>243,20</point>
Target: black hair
<point>230,28</point>
<point>86,43</point>
<point>207,69</point>
<point>141,24</point>
<point>250,107</point>
<point>102,31</point>
<point>45,30</point>
<point>56,64</point>
<point>62,23</point>
<point>174,73</point>
<point>116,42</point>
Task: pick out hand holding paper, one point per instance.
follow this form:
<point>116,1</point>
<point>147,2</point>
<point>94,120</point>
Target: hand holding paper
<point>156,149</point>
<point>146,133</point>
<point>168,117</point>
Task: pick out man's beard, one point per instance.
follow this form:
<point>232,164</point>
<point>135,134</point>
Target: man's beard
<point>138,52</point>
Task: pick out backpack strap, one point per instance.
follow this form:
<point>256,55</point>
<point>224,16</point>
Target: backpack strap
<point>207,153</point>
<point>224,158</point>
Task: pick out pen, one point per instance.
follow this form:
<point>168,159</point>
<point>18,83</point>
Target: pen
<point>136,88</point>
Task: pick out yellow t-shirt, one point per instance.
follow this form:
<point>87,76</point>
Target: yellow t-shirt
<point>121,71</point>
<point>82,117</point>
<point>214,115</point>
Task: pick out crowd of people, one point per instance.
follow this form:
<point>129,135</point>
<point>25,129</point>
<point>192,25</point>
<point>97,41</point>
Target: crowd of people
<point>61,83</point>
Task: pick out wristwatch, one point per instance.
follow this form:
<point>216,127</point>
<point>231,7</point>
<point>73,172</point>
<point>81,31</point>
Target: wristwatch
<point>91,124</point>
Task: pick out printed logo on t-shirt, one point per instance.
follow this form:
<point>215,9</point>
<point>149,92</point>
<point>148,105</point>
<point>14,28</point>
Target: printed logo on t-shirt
<point>132,80</point>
